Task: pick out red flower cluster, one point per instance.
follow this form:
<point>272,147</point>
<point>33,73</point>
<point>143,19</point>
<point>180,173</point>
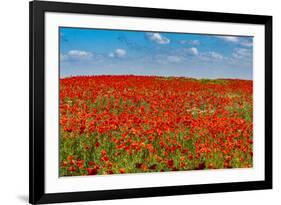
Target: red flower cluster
<point>129,124</point>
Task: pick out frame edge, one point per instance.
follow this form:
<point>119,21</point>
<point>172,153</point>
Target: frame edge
<point>36,115</point>
<point>268,102</point>
<point>31,180</point>
<point>36,102</point>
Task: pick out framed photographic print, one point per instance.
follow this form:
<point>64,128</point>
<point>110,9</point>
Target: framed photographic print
<point>140,102</point>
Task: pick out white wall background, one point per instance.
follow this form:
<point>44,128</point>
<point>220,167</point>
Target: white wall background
<point>14,100</point>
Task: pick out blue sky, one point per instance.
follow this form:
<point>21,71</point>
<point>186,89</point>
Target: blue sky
<point>117,52</point>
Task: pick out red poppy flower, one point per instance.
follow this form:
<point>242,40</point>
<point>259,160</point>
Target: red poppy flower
<point>92,171</point>
<point>170,163</point>
<point>122,170</point>
<point>72,169</point>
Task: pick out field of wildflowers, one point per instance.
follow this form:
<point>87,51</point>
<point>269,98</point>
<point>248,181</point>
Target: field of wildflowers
<point>136,124</point>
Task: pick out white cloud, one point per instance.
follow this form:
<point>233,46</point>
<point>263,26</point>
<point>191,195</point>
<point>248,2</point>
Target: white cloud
<point>79,53</point>
<point>118,53</point>
<point>240,53</point>
<point>193,51</point>
<point>190,42</point>
<point>246,44</point>
<point>211,56</point>
<point>76,55</point>
<point>216,55</point>
<point>237,40</point>
<point>158,38</point>
<point>233,39</point>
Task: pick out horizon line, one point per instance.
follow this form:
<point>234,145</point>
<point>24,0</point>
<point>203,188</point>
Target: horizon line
<point>133,75</point>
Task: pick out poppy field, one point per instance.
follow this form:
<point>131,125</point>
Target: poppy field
<point>136,124</point>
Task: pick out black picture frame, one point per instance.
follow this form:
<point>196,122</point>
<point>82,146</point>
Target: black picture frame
<point>37,10</point>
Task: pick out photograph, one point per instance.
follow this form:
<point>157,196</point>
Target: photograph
<point>132,102</point>
<point>135,101</point>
